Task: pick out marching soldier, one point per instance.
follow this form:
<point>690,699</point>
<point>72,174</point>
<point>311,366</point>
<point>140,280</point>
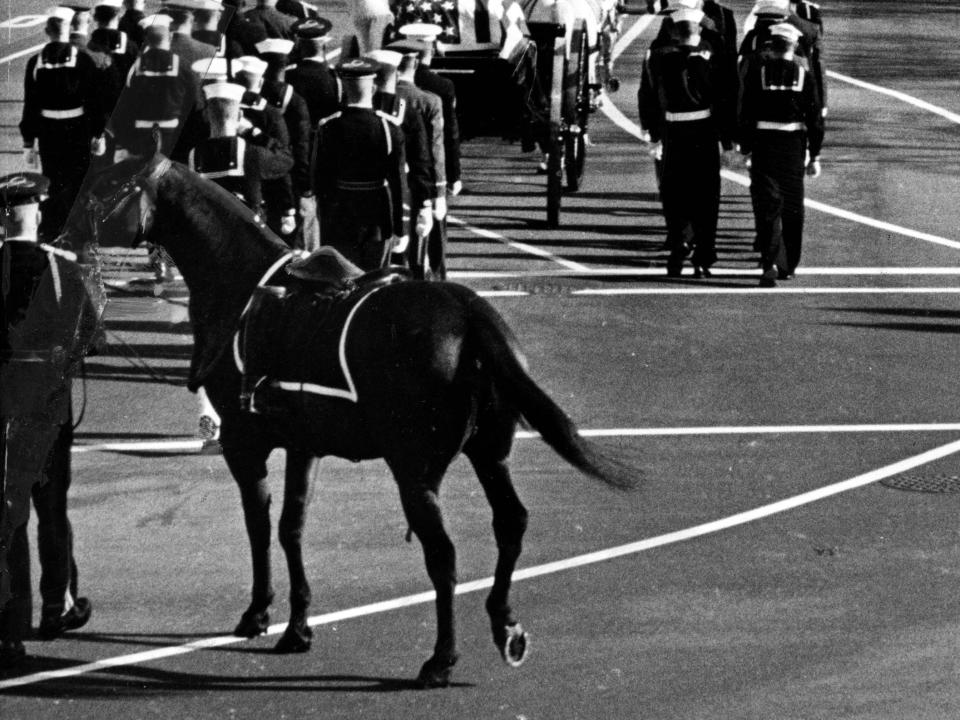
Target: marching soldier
<point>49,321</point>
<point>162,96</point>
<point>281,95</point>
<point>445,90</point>
<point>270,129</point>
<point>311,77</point>
<point>432,254</point>
<point>781,125</point>
<point>419,161</point>
<point>693,114</point>
<point>63,113</point>
<point>357,172</point>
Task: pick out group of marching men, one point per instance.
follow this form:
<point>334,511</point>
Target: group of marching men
<point>248,100</point>
<point>701,92</point>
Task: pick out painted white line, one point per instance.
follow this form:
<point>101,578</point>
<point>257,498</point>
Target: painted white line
<point>196,444</point>
<point>523,247</point>
<point>718,272</point>
<point>626,124</point>
<point>22,53</point>
<point>916,102</point>
<point>521,574</point>
<point>693,289</point>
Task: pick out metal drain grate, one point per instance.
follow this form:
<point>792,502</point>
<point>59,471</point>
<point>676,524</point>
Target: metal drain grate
<point>924,483</point>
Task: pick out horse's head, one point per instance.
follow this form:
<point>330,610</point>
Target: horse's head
<point>118,209</point>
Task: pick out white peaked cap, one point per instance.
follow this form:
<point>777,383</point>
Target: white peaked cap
<point>250,64</point>
<point>421,31</point>
<point>214,68</point>
<point>224,91</point>
<point>386,57</point>
<point>159,20</point>
<point>64,13</point>
<point>786,30</point>
<point>694,17</point>
<point>278,46</point>
<point>109,3</point>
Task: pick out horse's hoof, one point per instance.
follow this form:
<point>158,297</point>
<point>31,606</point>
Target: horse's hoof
<point>252,623</point>
<point>436,672</point>
<point>294,640</point>
<point>514,645</point>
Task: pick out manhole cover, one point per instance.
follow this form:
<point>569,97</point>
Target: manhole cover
<point>924,483</point>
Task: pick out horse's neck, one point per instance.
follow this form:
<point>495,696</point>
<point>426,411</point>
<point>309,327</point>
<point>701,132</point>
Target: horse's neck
<point>220,253</point>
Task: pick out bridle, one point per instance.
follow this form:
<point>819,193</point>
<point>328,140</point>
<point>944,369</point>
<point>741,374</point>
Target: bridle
<point>103,209</point>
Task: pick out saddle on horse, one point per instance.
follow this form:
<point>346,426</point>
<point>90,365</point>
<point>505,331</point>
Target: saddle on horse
<point>292,332</point>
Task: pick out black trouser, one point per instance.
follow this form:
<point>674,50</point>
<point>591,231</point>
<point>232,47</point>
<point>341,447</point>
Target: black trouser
<point>64,160</point>
<point>690,191</point>
<point>58,571</point>
<point>350,227</point>
<point>776,188</point>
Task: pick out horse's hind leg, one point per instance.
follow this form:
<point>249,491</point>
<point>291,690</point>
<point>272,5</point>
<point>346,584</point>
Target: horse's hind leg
<point>296,496</point>
<point>250,473</point>
<point>509,525</point>
<point>418,494</point>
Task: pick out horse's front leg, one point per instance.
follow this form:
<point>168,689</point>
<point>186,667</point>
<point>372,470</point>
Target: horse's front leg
<point>296,496</point>
<point>248,467</point>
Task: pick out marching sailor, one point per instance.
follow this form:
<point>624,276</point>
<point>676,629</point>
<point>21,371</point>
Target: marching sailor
<point>207,19</point>
<point>312,77</point>
<point>162,95</point>
<point>63,113</point>
<point>282,95</point>
<point>269,129</point>
<point>781,131</point>
<point>693,115</point>
<point>275,24</point>
<point>358,170</point>
<point>429,256</point>
<point>442,87</point>
<point>109,38</point>
<point>419,161</point>
<point>49,321</point>
<point>130,20</point>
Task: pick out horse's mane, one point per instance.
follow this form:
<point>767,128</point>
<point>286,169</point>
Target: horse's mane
<point>222,249</point>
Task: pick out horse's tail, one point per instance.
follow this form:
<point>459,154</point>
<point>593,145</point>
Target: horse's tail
<point>499,354</point>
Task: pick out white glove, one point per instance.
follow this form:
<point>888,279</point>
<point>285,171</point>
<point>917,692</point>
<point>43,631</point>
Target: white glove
<point>288,223</point>
<point>813,168</point>
<point>31,158</point>
<point>308,206</point>
<point>440,208</point>
<point>656,151</point>
<point>400,243</point>
<point>424,222</point>
<point>98,146</point>
<point>456,188</point>
<point>311,228</point>
<point>244,126</point>
<point>747,161</point>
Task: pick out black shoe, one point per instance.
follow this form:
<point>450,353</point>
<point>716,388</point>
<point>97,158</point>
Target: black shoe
<point>783,274</point>
<point>768,279</point>
<point>12,653</point>
<point>674,272</point>
<point>76,617</point>
<point>700,271</point>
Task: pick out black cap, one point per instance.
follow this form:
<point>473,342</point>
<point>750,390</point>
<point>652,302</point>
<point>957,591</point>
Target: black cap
<point>312,28</point>
<point>22,188</point>
<point>357,67</point>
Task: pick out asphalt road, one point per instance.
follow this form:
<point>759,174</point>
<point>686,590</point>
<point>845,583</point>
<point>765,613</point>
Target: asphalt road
<point>839,603</point>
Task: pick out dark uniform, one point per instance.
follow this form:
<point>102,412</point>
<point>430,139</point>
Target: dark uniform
<point>358,181</point>
<point>163,92</point>
<point>118,45</point>
<point>689,111</point>
<point>274,23</point>
<point>63,111</point>
<point>429,107</point>
<point>780,121</point>
<point>49,321</point>
<point>316,83</point>
<point>130,25</point>
<point>443,87</point>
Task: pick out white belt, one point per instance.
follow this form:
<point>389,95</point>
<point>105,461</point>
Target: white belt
<point>62,114</point>
<point>688,116</point>
<point>780,126</point>
<point>163,124</point>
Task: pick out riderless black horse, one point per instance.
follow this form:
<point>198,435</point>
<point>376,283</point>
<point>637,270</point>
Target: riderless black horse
<point>420,373</point>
